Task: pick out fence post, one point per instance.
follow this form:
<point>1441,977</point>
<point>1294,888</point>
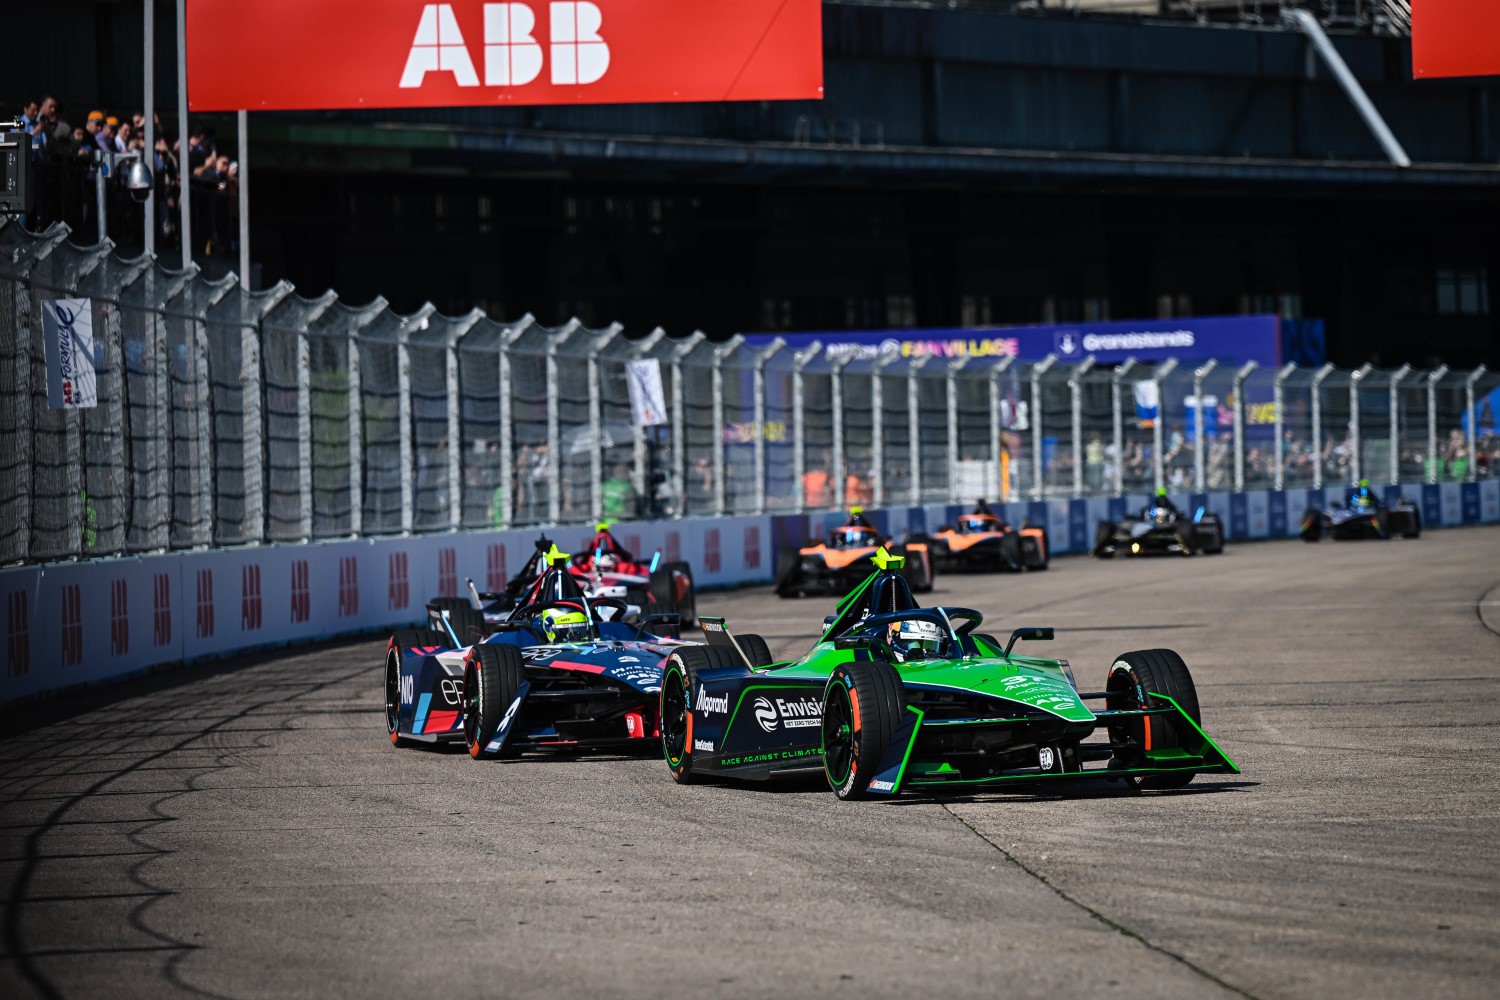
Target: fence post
<point>679,422</point>
<point>1000,450</point>
<point>800,361</point>
<point>1239,424</point>
<point>1317,424</point>
<point>1394,435</point>
<point>1472,467</point>
<point>356,440</point>
<point>1434,472</point>
<point>554,436</point>
<point>758,381</point>
<point>914,430</point>
<point>836,397</point>
<point>304,434</point>
<point>456,332</point>
<point>1037,489</point>
<point>1200,480</point>
<point>508,336</point>
<point>596,423</point>
<point>1117,402</point>
<point>721,352</point>
<point>1356,465</point>
<point>877,430</point>
<point>951,386</point>
<point>1158,460</point>
<point>1075,391</point>
<point>1279,399</point>
<point>638,434</point>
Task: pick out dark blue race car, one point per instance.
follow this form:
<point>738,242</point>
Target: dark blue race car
<point>562,670</point>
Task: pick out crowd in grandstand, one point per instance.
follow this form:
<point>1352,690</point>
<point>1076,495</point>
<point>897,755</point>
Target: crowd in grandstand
<point>69,151</point>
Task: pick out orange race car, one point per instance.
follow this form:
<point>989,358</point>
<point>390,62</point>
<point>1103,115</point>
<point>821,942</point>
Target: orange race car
<point>845,560</point>
<point>983,542</point>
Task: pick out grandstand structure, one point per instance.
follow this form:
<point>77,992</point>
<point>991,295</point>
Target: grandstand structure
<point>973,163</point>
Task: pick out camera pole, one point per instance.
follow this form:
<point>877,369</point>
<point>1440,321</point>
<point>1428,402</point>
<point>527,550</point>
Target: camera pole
<point>244,137</point>
<point>148,24</point>
<point>184,157</point>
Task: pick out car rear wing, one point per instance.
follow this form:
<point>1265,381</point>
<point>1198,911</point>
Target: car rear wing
<point>716,632</point>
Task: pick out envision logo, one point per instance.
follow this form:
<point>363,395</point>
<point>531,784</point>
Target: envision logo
<point>512,55</point>
<point>800,713</point>
<point>708,703</point>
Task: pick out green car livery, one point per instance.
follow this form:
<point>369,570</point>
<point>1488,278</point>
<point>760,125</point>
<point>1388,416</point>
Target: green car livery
<point>894,696</point>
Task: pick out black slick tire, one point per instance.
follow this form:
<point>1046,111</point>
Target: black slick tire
<point>493,674</point>
<point>1132,679</point>
<point>672,591</point>
<point>862,705</point>
<point>787,561</point>
<point>1012,559</point>
<point>755,649</point>
<point>1102,536</point>
<point>679,680</point>
<point>401,639</point>
<point>467,623</point>
<point>1312,526</point>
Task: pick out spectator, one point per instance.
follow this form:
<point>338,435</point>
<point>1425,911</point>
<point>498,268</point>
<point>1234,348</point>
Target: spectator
<point>98,131</point>
<point>817,487</point>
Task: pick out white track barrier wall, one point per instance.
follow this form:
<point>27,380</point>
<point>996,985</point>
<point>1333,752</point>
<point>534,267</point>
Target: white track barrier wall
<point>68,625</point>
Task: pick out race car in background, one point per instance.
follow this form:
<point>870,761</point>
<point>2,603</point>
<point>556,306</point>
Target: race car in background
<point>894,696</point>
<point>606,569</point>
<point>842,562</point>
<point>1160,529</point>
<point>1362,515</point>
<point>981,541</point>
<point>561,670</point>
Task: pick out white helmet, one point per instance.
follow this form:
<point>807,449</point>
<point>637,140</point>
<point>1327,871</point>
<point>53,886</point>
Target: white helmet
<point>914,639</point>
<point>606,562</point>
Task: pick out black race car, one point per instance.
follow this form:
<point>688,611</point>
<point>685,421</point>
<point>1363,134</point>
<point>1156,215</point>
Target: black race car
<point>1160,529</point>
<point>1362,515</point>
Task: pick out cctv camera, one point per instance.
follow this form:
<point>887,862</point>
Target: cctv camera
<point>138,180</point>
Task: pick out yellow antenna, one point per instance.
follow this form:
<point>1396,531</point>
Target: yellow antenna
<point>602,526</point>
<point>556,557</point>
<point>856,511</point>
<point>884,561</point>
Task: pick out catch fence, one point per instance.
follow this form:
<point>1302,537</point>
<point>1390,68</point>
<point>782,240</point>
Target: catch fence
<point>229,418</point>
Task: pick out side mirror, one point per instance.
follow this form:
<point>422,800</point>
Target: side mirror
<point>855,642</point>
<point>1026,633</point>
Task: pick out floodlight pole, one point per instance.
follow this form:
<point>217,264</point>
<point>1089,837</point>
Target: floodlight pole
<point>148,57</point>
<point>1435,376</point>
<point>1394,430</point>
<point>244,192</point>
<point>184,153</point>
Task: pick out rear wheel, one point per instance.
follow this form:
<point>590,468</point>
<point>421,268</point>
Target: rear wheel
<point>1209,535</point>
<point>1414,524</point>
<point>787,560</point>
<point>1132,679</point>
<point>917,569</point>
<point>682,670</point>
<point>400,640</point>
<point>467,623</point>
<point>493,674</point>
<point>756,649</point>
<point>1011,557</point>
<point>862,707</point>
<point>1102,537</point>
<point>1312,526</point>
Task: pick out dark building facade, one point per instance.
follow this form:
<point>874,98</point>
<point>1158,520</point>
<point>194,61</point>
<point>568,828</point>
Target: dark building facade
<point>968,166</point>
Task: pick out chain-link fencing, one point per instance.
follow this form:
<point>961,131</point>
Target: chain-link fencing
<point>227,418</point>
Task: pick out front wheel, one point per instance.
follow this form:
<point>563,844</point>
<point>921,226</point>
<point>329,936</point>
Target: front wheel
<point>682,670</point>
<point>401,640</point>
<point>1133,679</point>
<point>493,675</point>
<point>1312,526</point>
<point>862,707</point>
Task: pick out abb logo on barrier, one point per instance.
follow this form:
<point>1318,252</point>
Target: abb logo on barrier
<point>711,557</point>
<point>119,618</point>
<point>674,546</point>
<point>447,572</point>
<point>250,607</point>
<point>494,575</point>
<point>398,592</point>
<point>205,603</point>
<point>17,634</point>
<point>161,609</point>
<point>348,586</point>
<point>512,55</point>
<point>301,592</point>
<point>72,625</point>
<point>752,546</point>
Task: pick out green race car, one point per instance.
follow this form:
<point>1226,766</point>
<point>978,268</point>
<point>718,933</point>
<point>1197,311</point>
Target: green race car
<point>896,696</point>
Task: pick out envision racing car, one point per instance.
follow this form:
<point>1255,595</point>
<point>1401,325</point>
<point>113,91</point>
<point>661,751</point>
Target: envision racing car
<point>561,670</point>
<point>840,564</point>
<point>894,696</point>
<point>982,541</point>
<point>1363,516</point>
<point>1160,529</point>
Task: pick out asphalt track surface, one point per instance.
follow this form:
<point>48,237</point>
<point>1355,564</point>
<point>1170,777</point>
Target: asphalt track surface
<point>245,830</point>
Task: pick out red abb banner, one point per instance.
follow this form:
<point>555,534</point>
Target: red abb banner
<point>263,55</point>
<point>1455,38</point>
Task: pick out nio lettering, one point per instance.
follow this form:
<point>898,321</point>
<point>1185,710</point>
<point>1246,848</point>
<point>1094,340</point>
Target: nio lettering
<point>712,704</point>
<point>408,689</point>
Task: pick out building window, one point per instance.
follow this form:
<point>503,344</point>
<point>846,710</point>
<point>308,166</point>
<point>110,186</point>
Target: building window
<point>1463,291</point>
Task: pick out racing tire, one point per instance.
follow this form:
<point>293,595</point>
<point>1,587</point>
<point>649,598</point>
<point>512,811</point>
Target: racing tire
<point>862,706</point>
<point>681,674</point>
<point>1011,558</point>
<point>1130,677</point>
<point>405,638</point>
<point>493,675</point>
<point>787,561</point>
<point>1208,535</point>
<point>1102,536</point>
<point>755,649</point>
<point>1046,553</point>
<point>1312,526</point>
<point>917,570</point>
<point>1415,531</point>
<point>467,623</point>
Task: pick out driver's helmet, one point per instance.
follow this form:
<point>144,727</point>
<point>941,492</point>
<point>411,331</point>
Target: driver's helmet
<point>1362,497</point>
<point>1159,512</point>
<point>914,639</point>
<point>564,625</point>
<point>606,562</point>
<point>975,523</point>
<point>853,537</point>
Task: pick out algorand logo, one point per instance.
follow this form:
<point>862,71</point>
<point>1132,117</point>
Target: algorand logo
<point>512,56</point>
<point>708,703</point>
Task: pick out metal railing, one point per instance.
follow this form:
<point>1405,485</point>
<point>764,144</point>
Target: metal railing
<point>231,418</point>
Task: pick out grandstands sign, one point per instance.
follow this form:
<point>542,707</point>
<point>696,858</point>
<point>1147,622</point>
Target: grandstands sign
<point>306,54</point>
<point>1455,38</point>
